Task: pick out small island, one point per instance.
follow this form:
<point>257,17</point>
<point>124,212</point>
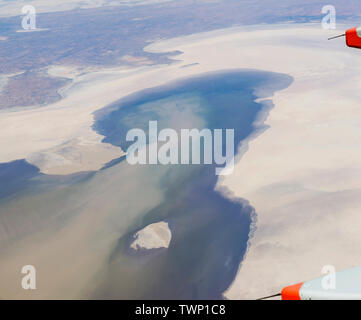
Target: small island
<point>153,236</point>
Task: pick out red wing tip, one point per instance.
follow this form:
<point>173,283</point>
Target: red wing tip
<point>292,292</point>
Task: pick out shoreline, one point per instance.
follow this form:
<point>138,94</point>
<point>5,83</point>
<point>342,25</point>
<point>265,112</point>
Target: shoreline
<point>293,169</point>
<point>194,197</point>
<point>190,203</point>
<point>302,171</point>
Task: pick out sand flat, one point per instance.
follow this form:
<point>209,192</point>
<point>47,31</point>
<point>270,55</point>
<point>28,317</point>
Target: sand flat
<point>42,6</point>
<point>154,236</point>
<point>302,175</point>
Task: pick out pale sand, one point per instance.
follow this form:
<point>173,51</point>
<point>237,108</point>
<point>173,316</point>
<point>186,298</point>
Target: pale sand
<point>153,236</point>
<point>32,30</point>
<point>41,135</point>
<point>140,61</point>
<point>58,138</point>
<point>302,175</point>
<point>11,8</point>
<point>75,155</point>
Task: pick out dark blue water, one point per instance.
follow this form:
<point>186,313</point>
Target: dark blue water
<point>15,176</point>
<point>18,178</point>
<point>209,231</point>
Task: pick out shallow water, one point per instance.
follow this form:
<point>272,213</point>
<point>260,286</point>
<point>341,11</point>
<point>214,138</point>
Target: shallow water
<point>209,231</point>
<point>96,214</point>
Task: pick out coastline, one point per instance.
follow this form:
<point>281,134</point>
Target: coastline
<point>308,157</point>
<point>216,228</point>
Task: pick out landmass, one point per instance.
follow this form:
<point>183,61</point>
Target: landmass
<point>300,171</point>
<point>30,89</point>
<point>153,236</point>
